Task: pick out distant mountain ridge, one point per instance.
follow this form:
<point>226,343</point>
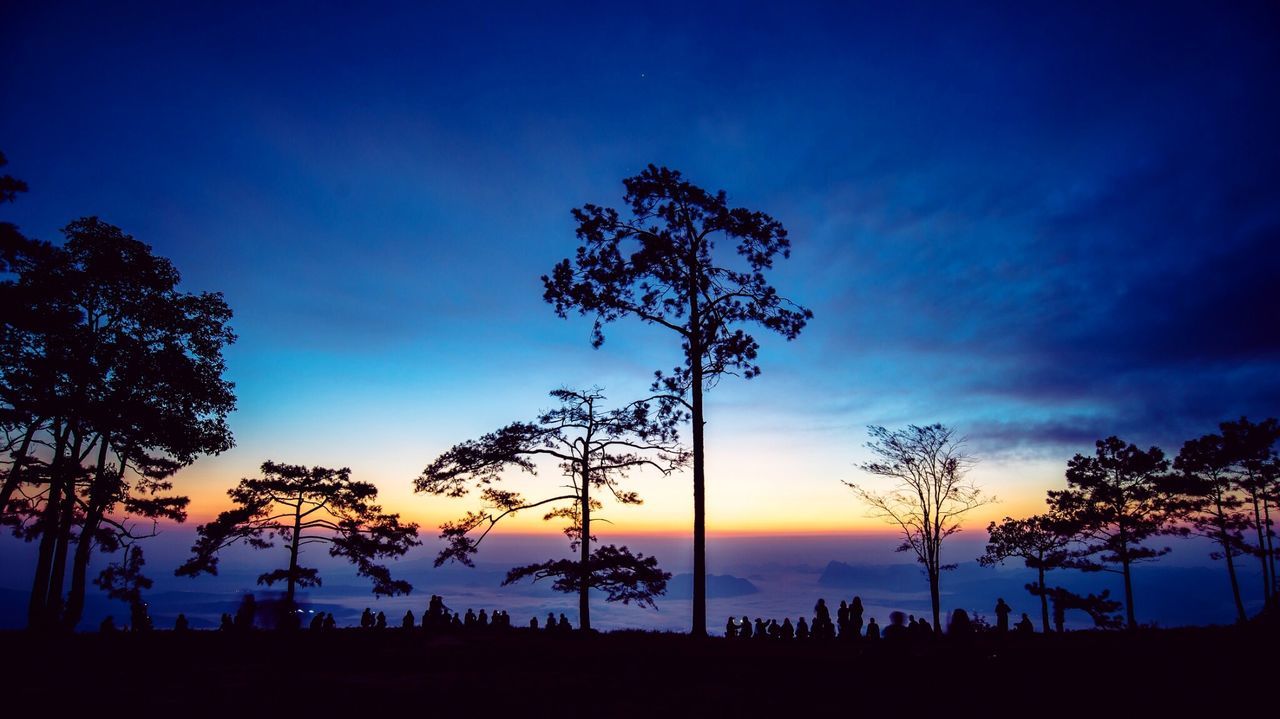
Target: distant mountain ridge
<point>719,586</point>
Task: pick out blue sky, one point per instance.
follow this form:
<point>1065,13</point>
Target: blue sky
<point>1040,224</point>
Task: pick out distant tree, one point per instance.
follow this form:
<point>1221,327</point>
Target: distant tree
<point>1116,500</point>
<point>1101,608</point>
<point>930,493</point>
<point>1042,542</point>
<point>304,506</point>
<point>1256,470</point>
<point>1212,503</point>
<point>596,449</point>
<point>660,266</point>
<point>125,581</point>
<point>115,375</point>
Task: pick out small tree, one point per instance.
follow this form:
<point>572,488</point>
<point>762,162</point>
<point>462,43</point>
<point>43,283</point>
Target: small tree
<point>125,581</point>
<point>303,506</point>
<point>1116,500</point>
<point>660,266</point>
<point>1212,504</point>
<point>930,493</point>
<point>596,449</point>
<point>1042,542</point>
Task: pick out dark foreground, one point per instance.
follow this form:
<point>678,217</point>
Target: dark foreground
<point>374,672</point>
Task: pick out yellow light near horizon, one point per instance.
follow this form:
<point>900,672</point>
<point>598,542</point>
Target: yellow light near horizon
<point>750,490</point>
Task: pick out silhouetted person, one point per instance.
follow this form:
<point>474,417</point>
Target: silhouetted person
<point>551,622</point>
<point>1002,616</point>
<point>775,631</point>
<point>873,629</point>
<point>108,625</point>
<point>366,619</point>
<point>330,622</point>
<point>842,619</point>
<point>533,623</point>
<point>482,619</point>
<point>822,626</point>
<point>730,629</point>
<point>564,627</point>
<point>802,629</point>
<point>923,631</point>
<point>409,622</point>
<point>961,627</point>
<point>855,616</point>
<point>226,625</point>
<point>897,628</point>
<point>470,621</point>
<point>455,622</point>
<point>787,631</point>
<point>745,629</point>
<point>180,624</point>
<point>244,615</point>
<point>762,631</point>
<point>317,622</point>
<point>381,622</point>
<point>1025,626</point>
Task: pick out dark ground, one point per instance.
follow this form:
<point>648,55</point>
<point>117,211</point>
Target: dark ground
<point>353,672</point>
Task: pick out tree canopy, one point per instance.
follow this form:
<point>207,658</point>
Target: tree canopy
<point>596,449</point>
<point>303,506</point>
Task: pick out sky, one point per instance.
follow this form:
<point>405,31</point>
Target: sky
<point>1039,224</point>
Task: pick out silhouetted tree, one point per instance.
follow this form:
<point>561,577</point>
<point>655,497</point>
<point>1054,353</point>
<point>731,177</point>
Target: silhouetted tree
<point>1256,469</point>
<point>1101,608</point>
<point>1042,542</point>
<point>9,186</point>
<point>303,506</point>
<point>1116,500</point>
<point>660,266</point>
<point>125,581</point>
<point>117,375</point>
<point>930,493</point>
<point>1212,504</point>
<point>596,449</point>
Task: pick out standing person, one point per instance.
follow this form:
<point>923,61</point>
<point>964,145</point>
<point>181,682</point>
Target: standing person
<point>855,617</point>
<point>1002,616</point>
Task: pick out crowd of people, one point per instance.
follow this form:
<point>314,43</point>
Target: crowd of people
<point>437,617</point>
<point>849,625</point>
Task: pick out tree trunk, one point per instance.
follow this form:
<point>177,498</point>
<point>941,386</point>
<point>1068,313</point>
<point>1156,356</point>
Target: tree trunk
<point>1235,583</point>
<point>1271,551</point>
<point>1044,602</point>
<point>1262,549</point>
<point>584,586</point>
<point>699,458</point>
<point>11,479</point>
<point>1130,617</point>
<point>36,605</point>
<point>58,573</point>
<point>934,596</point>
<point>291,587</point>
<point>84,546</point>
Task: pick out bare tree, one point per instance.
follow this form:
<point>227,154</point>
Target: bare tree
<point>930,493</point>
